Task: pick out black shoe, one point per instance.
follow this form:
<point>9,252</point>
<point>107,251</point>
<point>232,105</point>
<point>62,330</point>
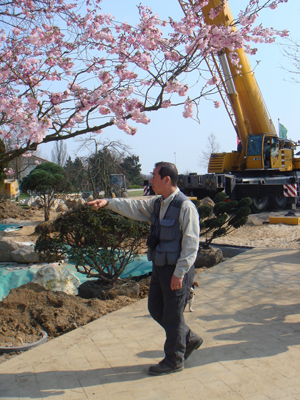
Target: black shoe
<point>162,368</point>
<point>192,345</point>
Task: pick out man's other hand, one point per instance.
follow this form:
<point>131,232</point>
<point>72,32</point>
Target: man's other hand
<point>99,203</point>
<point>176,283</point>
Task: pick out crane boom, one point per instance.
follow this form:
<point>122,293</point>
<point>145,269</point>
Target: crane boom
<point>241,89</point>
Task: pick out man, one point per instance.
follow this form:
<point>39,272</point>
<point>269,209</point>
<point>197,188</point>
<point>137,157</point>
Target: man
<point>172,247</point>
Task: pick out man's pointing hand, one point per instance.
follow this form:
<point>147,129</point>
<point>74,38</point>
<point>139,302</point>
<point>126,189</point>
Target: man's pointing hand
<point>99,203</point>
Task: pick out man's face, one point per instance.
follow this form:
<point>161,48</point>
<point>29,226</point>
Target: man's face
<point>158,183</point>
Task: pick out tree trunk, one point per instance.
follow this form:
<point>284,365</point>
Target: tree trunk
<point>46,207</point>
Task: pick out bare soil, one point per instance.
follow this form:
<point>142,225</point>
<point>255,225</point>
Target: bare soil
<point>8,209</point>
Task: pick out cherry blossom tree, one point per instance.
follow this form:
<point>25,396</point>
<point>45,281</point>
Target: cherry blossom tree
<point>66,69</point>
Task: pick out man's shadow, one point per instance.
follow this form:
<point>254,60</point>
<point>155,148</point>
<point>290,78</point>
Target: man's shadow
<point>263,330</point>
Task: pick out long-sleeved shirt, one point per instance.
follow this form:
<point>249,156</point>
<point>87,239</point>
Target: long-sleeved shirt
<point>141,210</point>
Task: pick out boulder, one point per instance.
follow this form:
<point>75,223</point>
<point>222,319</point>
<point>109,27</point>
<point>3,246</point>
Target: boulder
<point>78,203</point>
<point>90,198</point>
<point>207,201</point>
<point>208,257</point>
<point>25,255</point>
<point>6,247</point>
<point>69,203</point>
<point>257,220</point>
<point>36,204</point>
<point>57,278</point>
<point>90,289</point>
<point>29,201</point>
<point>62,207</point>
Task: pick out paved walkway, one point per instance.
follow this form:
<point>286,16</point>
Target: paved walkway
<point>247,310</point>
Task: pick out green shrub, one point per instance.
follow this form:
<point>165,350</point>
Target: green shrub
<point>220,197</point>
<point>100,243</point>
<point>223,218</point>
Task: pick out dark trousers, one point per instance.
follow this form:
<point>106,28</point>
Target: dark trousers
<point>166,306</point>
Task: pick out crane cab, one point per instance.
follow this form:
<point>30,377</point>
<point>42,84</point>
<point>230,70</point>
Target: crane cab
<point>265,151</point>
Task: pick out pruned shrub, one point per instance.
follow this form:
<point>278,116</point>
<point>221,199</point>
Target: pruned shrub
<point>99,243</point>
<point>223,218</point>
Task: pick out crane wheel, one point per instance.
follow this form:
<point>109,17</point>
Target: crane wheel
<point>279,203</point>
<point>259,204</point>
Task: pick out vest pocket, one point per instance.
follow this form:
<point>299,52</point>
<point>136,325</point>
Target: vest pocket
<point>160,258</point>
<point>166,258</point>
<point>167,229</point>
<point>172,257</point>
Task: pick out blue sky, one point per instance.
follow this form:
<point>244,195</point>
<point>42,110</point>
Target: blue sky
<point>169,136</point>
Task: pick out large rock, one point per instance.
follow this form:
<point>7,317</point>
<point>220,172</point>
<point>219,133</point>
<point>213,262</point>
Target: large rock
<point>207,201</point>
<point>257,219</point>
<point>78,203</point>
<point>57,278</point>
<point>6,248</point>
<point>74,204</point>
<point>25,255</point>
<point>208,257</point>
<point>90,289</point>
<point>62,207</point>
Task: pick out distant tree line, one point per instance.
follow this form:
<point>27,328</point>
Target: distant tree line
<point>94,172</point>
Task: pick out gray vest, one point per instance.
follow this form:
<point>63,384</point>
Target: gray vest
<point>167,232</point>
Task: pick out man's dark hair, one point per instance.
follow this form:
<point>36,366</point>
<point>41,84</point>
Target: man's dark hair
<point>168,169</point>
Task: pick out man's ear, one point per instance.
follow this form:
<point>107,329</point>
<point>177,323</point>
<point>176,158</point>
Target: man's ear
<point>167,179</point>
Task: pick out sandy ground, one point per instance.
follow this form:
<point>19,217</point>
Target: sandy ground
<point>258,232</point>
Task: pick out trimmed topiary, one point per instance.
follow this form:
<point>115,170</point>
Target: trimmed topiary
<point>100,243</point>
<point>223,218</point>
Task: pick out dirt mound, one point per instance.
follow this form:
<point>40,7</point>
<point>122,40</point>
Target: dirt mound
<point>30,309</point>
<point>8,209</point>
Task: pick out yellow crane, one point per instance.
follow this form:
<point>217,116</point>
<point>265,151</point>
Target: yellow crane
<point>264,167</point>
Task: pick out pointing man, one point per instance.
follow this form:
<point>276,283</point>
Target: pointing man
<point>172,247</point>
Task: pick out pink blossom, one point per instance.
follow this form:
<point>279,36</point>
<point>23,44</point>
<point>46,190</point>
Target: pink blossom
<point>213,81</point>
<point>188,109</point>
<point>217,104</point>
<point>104,110</point>
<point>183,90</point>
<point>27,155</point>
<point>166,104</point>
<point>9,171</point>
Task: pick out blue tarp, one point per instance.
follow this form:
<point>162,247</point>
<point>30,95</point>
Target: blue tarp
<point>13,227</point>
<point>12,277</point>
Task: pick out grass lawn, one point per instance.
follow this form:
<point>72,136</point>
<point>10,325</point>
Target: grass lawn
<point>135,192</point>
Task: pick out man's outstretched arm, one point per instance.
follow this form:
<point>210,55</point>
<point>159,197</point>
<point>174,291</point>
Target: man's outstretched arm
<point>139,210</point>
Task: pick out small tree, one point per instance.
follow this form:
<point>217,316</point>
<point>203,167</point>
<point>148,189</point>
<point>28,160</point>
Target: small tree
<point>77,175</point>
<point>100,243</point>
<point>223,218</point>
<point>132,169</point>
<point>212,146</point>
<point>45,180</point>
<point>59,153</point>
